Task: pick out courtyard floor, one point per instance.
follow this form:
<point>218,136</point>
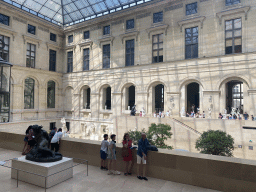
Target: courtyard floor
<point>97,181</point>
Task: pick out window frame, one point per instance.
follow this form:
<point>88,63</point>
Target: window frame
<point>233,36</point>
<point>70,62</point>
<point>159,49</point>
<point>233,2</point>
<point>53,35</point>
<point>30,55</point>
<point>105,57</point>
<point>131,54</point>
<point>126,24</point>
<point>109,30</point>
<point>29,29</point>
<point>51,68</point>
<point>51,84</point>
<point>69,39</point>
<point>2,52</point>
<point>86,58</point>
<point>31,95</point>
<point>191,44</point>
<point>154,18</point>
<point>2,21</point>
<point>191,10</point>
<point>88,32</point>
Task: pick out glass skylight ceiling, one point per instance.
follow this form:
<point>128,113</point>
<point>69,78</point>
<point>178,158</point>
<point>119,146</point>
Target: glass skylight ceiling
<point>69,12</point>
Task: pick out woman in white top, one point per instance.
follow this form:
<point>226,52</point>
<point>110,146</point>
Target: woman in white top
<point>55,142</point>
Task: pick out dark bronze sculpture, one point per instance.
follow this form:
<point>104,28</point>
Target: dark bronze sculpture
<point>133,111</point>
<point>40,152</point>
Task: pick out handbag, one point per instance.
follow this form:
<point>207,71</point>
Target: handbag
<point>125,152</point>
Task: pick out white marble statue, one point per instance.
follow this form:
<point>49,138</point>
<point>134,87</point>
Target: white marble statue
<point>154,114</point>
<point>64,128</point>
<point>167,114</point>
<point>182,112</point>
<point>143,112</point>
<point>209,113</point>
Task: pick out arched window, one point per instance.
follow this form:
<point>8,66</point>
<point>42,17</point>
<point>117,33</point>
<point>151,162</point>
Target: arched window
<point>29,91</point>
<point>51,94</point>
<point>86,98</point>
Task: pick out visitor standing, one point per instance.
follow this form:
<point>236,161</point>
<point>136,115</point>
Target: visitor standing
<point>245,116</point>
<point>142,156</point>
<point>252,117</point>
<point>51,134</point>
<point>103,152</point>
<point>112,156</point>
<point>55,142</point>
<point>127,157</point>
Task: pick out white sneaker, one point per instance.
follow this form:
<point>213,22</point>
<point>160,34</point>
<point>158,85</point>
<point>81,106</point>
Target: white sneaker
<point>116,173</point>
<point>110,172</point>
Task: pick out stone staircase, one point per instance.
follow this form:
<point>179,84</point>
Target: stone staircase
<point>186,125</point>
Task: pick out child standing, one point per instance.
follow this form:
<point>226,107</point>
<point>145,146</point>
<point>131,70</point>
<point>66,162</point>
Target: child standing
<point>103,152</point>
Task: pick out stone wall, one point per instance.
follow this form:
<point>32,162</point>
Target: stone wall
<point>214,172</point>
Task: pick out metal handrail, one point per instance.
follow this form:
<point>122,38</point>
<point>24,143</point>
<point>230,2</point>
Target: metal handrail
<point>83,160</point>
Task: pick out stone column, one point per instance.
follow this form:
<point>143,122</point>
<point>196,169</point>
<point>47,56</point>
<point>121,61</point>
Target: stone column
<point>95,105</point>
<point>142,100</point>
<point>211,99</point>
<point>116,103</point>
<point>172,105</point>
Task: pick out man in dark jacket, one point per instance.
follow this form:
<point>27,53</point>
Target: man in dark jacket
<point>142,156</point>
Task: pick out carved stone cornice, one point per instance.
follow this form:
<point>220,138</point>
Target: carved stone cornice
<point>70,46</point>
<point>8,30</point>
<point>163,27</point>
<point>31,38</point>
<point>251,91</point>
<point>211,92</point>
<point>129,34</point>
<point>199,19</point>
<point>52,45</point>
<point>85,43</point>
<point>233,11</point>
<point>107,38</point>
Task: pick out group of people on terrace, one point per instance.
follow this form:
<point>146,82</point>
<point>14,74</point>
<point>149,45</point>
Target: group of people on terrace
<point>108,155</point>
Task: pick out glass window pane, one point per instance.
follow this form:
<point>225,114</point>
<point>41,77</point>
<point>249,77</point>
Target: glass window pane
<point>229,34</point>
<point>155,39</point>
<point>161,52</point>
<point>238,33</point>
<point>229,25</point>
<point>237,23</point>
<point>161,37</point>
<point>229,43</point>
<point>155,53</point>
<point>160,46</point>
<point>155,46</point>
<point>238,41</point>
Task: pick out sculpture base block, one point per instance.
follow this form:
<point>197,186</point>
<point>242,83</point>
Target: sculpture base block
<point>44,169</point>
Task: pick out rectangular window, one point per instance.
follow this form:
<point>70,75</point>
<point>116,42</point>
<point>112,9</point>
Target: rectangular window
<point>31,29</point>
<point>4,54</point>
<point>53,37</point>
<point>86,59</point>
<point>191,8</point>
<point>106,30</point>
<point>52,62</point>
<point>130,24</point>
<point>232,2</point>
<point>29,93</point>
<point>31,55</point>
<point>233,36</point>
<point>86,34</point>
<point>52,125</point>
<point>70,62</point>
<point>70,39</point>
<point>157,48</point>
<point>158,17</point>
<point>106,56</point>
<point>129,55</point>
<point>191,43</point>
<point>4,19</point>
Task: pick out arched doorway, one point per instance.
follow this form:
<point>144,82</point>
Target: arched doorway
<point>193,97</point>
<point>131,96</point>
<point>234,96</point>
<point>159,98</point>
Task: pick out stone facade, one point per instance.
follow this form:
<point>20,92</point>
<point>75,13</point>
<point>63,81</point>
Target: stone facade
<point>211,70</point>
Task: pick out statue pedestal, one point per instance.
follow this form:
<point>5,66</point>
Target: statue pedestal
<point>44,169</point>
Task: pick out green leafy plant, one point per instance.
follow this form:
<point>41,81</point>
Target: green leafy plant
<point>156,135</point>
<point>216,143</point>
